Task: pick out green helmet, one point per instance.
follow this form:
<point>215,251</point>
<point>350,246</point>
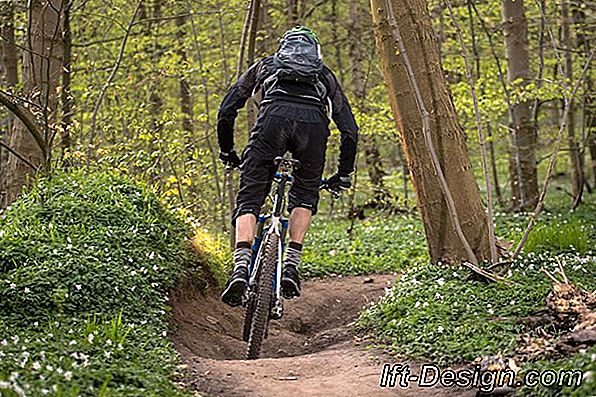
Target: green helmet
<point>302,31</point>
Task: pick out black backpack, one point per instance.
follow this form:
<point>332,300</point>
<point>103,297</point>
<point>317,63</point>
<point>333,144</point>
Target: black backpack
<point>296,72</point>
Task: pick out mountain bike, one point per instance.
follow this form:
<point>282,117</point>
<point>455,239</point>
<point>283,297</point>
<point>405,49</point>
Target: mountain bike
<point>263,298</point>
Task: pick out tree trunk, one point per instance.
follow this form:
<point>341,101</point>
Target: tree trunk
<point>293,15</point>
<point>255,12</point>
<point>9,66</point>
<point>335,38</point>
<point>184,87</point>
<point>524,178</point>
<point>42,68</point>
<point>577,178</point>
<point>584,39</point>
<point>66,94</point>
<point>444,243</point>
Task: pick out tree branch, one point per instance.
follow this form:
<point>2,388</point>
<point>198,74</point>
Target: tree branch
<point>17,155</point>
<point>26,118</point>
<point>111,78</point>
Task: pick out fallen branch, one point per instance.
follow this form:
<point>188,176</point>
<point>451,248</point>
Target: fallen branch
<point>488,275</point>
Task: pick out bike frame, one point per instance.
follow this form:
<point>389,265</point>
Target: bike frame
<point>273,222</point>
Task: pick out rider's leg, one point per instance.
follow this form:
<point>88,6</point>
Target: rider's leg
<point>246,228</point>
<point>299,222</point>
<point>245,231</point>
<point>267,141</point>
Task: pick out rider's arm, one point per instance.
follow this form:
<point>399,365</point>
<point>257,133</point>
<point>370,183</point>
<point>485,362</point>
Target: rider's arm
<point>235,100</point>
<point>346,124</point>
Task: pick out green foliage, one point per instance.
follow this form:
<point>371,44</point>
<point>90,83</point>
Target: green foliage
<point>86,263</point>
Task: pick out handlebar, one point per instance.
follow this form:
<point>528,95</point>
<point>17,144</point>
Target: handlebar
<point>336,194</point>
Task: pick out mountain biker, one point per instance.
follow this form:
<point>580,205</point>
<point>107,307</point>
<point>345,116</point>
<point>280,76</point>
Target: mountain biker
<point>299,97</point>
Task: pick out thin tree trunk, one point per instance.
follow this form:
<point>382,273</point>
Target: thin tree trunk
<point>524,132</point>
<point>553,160</point>
<point>493,165</point>
<point>478,73</point>
<point>222,46</point>
<point>335,38</point>
<point>9,64</point>
<point>66,94</point>
<point>293,14</point>
<point>481,139</point>
<point>42,67</point>
<point>577,179</point>
<point>214,162</point>
<point>252,108</point>
<point>372,156</point>
<point>447,194</point>
<point>184,86</point>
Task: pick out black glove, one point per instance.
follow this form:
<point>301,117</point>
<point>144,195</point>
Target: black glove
<point>230,159</point>
<point>339,182</point>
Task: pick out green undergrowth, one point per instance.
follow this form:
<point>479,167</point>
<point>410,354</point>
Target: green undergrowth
<point>86,263</point>
<point>377,245</point>
<point>585,361</point>
<point>434,312</point>
<point>385,243</point>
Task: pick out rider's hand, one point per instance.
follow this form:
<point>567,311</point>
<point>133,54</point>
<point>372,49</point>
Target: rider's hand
<point>230,159</point>
<point>339,182</point>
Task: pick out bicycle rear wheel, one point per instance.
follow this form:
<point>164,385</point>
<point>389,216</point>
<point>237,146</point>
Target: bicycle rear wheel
<point>262,305</point>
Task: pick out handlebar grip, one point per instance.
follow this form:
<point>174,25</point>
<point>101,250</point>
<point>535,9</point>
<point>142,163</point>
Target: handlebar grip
<point>325,186</point>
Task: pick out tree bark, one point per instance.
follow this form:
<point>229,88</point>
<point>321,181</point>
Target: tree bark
<point>447,139</point>
<point>9,66</point>
<point>524,178</point>
<point>42,68</point>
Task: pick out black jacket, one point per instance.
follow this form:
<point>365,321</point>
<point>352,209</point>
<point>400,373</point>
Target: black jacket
<point>341,113</point>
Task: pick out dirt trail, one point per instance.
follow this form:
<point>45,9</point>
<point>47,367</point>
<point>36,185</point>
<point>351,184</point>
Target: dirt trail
<point>311,352</point>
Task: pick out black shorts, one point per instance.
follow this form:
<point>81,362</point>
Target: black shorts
<point>300,129</point>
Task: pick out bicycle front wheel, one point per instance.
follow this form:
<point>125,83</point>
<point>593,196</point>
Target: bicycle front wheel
<point>264,294</point>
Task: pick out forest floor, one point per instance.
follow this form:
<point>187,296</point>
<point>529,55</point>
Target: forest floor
<point>312,351</point>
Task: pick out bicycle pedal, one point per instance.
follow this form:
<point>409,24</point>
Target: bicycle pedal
<point>276,311</point>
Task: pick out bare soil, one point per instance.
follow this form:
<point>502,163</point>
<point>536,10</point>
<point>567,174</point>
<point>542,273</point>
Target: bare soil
<point>312,351</point>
